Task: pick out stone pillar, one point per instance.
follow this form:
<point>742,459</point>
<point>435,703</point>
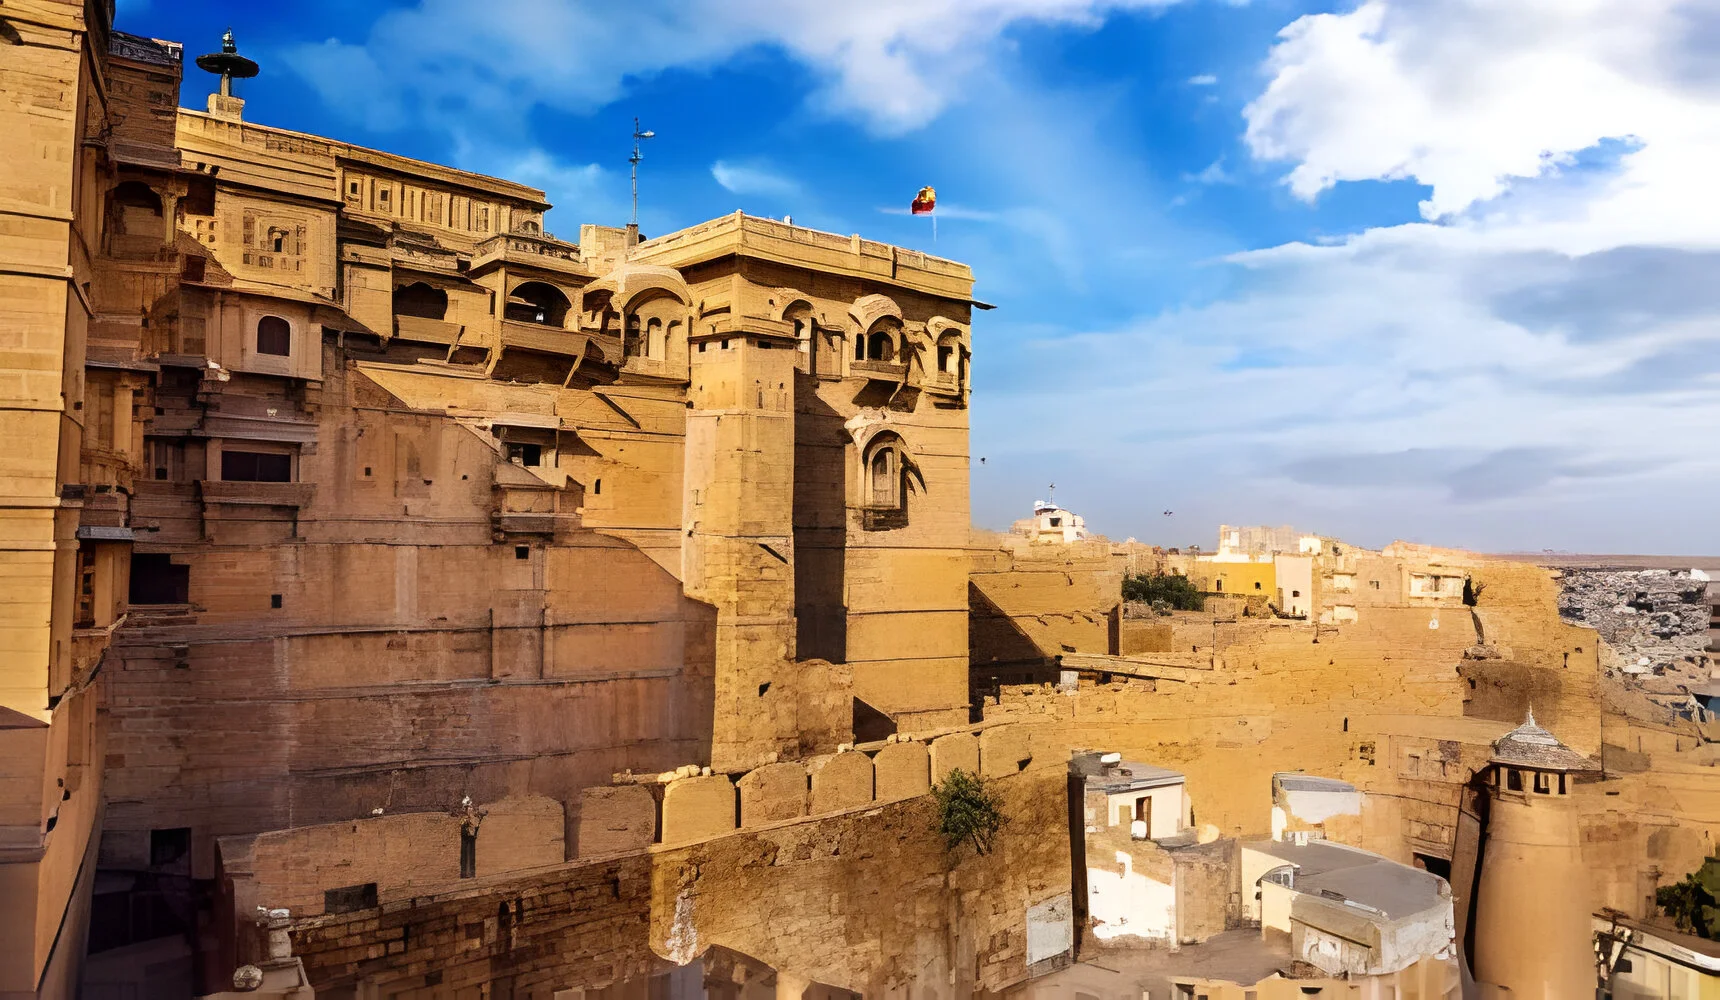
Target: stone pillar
<point>1533,927</point>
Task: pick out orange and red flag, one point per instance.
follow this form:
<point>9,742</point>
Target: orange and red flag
<point>924,202</point>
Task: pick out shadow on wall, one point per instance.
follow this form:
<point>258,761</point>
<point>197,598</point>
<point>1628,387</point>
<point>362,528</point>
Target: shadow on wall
<point>999,652</point>
<point>820,526</point>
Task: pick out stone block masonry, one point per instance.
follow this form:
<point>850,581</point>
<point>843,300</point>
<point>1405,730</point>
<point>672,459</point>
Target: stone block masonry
<point>897,913</point>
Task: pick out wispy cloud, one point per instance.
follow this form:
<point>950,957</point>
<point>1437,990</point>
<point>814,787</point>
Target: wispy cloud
<point>1214,173</point>
<point>894,66</point>
<point>1203,80</point>
<point>753,179</point>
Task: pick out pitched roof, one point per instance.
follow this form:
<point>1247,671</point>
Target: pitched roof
<point>1531,746</point>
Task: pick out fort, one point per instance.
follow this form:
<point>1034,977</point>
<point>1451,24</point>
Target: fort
<point>402,601</point>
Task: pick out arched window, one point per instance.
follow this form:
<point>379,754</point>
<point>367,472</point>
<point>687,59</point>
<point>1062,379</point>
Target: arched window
<point>274,336</point>
<point>419,299</point>
<point>880,346</point>
<point>654,345</point>
<point>881,486</point>
<point>539,303</point>
<point>883,478</point>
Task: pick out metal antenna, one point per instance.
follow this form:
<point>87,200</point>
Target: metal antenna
<point>1051,494</point>
<point>634,159</point>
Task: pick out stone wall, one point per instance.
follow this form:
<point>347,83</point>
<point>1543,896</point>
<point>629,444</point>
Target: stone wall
<point>693,803</point>
<point>1029,602</point>
<point>868,899</point>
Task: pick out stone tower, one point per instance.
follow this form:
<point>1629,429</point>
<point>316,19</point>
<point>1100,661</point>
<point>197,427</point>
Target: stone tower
<point>1532,919</point>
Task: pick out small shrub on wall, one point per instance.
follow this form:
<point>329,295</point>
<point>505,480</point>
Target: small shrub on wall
<point>968,813</point>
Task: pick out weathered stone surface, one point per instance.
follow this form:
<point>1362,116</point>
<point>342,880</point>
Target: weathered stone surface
<point>954,752</point>
<point>901,771</point>
<point>841,781</point>
<point>1004,750</point>
<point>772,793</point>
<point>615,818</point>
<point>695,808</point>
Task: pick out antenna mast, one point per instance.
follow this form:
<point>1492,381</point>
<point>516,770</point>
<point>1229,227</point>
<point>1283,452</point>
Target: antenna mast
<point>638,134</point>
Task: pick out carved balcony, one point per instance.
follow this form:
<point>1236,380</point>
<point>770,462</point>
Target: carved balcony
<point>887,371</point>
<point>426,331</point>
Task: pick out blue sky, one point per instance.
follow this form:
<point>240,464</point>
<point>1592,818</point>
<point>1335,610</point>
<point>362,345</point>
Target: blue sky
<point>1442,270</point>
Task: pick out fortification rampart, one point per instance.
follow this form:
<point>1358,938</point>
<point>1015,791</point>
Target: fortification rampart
<point>911,913</point>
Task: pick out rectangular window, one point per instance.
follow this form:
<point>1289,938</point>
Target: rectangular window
<point>156,580</point>
<point>350,898</point>
<point>255,467</point>
<point>525,454</point>
<point>168,846</point>
<point>1514,780</point>
<point>468,853</point>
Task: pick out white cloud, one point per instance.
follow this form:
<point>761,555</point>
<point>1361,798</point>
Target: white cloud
<point>744,179</point>
<point>1473,97</point>
<point>894,64</point>
<point>1203,80</point>
<point>1537,365</point>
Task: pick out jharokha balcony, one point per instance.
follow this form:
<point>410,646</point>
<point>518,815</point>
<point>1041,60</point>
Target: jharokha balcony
<point>888,371</point>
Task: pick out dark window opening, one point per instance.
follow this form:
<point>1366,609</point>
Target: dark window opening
<point>468,852</point>
<point>1295,593</point>
<point>350,898</point>
<point>946,354</point>
<point>255,467</point>
<point>522,552</point>
<point>762,688</point>
<point>1434,865</point>
<point>156,580</point>
<point>597,487</point>
<point>169,846</point>
<point>537,302</point>
<point>1057,522</point>
<point>525,454</point>
<point>1514,780</point>
<point>1257,585</point>
<point>274,600</point>
<point>419,299</point>
<point>1218,585</point>
<point>1542,786</point>
<point>274,336</point>
<point>880,346</point>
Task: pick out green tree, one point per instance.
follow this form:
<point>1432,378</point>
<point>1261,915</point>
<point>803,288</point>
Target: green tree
<point>968,813</point>
<point>1694,902</point>
<point>1174,589</point>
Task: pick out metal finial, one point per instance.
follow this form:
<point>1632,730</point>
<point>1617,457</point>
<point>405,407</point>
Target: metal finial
<point>228,64</point>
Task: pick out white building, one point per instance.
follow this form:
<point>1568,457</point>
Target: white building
<point>1051,523</point>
